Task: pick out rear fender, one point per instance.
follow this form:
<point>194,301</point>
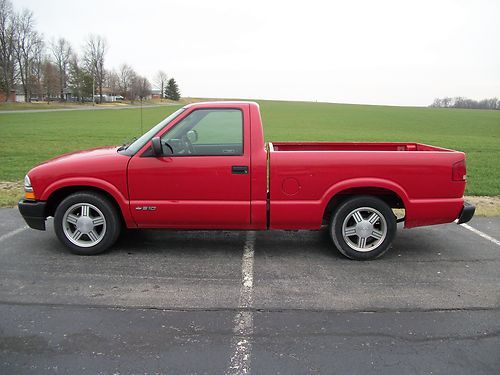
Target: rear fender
<point>365,183</point>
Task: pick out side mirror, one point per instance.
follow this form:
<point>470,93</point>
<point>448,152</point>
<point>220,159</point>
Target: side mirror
<point>156,145</point>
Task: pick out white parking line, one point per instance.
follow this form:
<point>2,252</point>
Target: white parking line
<point>479,233</point>
<point>13,233</point>
<point>241,345</point>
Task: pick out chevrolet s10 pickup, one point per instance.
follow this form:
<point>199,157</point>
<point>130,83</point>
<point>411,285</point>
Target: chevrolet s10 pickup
<point>207,166</point>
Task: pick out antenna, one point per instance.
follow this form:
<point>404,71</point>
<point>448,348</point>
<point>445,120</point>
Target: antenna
<point>141,116</point>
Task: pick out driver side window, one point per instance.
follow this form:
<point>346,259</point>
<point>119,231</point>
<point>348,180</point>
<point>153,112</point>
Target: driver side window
<point>207,132</point>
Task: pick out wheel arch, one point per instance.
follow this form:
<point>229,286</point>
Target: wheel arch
<point>54,195</point>
<point>389,192</point>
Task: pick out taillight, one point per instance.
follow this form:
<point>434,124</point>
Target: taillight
<point>459,171</point>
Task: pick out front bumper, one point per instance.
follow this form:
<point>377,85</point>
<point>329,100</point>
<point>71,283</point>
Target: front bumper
<point>467,212</point>
<point>34,213</point>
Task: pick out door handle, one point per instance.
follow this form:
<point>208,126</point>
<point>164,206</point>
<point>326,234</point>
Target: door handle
<point>239,169</point>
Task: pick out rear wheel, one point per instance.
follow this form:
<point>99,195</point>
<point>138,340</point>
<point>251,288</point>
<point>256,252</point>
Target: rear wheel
<point>87,223</point>
<point>363,228</point>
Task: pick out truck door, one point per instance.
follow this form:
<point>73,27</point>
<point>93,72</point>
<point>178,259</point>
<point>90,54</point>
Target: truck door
<point>203,178</point>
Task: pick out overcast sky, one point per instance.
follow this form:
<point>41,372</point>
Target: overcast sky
<point>375,52</point>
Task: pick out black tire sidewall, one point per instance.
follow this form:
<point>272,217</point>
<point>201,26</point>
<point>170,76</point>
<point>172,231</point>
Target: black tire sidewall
<point>113,224</point>
<point>347,207</point>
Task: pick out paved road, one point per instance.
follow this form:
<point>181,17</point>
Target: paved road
<point>86,108</point>
<point>269,302</point>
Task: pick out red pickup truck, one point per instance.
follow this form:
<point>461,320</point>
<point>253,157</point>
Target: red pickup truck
<point>207,166</point>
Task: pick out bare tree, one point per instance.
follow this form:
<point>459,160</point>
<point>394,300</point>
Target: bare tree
<point>462,102</point>
<point>445,102</point>
<point>50,80</point>
<point>61,52</point>
<point>161,80</point>
<point>141,87</point>
<point>79,78</point>
<point>113,82</point>
<point>7,47</point>
<point>24,59</point>
<point>29,44</point>
<point>37,71</point>
<point>126,76</point>
<point>95,50</point>
<point>437,103</point>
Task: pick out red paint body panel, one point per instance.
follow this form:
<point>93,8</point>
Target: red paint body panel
<point>258,162</point>
<point>102,168</point>
<point>287,187</point>
<point>421,179</point>
<point>192,191</point>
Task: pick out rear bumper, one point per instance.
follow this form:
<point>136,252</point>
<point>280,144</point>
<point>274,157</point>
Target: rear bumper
<point>467,212</point>
<point>33,213</point>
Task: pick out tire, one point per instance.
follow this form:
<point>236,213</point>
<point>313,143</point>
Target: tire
<point>87,223</point>
<point>369,226</point>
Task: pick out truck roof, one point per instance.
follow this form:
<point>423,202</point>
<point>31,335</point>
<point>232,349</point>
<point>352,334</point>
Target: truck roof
<point>220,103</point>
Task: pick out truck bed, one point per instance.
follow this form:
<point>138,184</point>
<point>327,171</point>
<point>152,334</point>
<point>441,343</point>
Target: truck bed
<point>353,146</point>
<point>305,175</point>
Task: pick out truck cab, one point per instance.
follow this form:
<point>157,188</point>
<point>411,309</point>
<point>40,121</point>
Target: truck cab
<point>205,170</point>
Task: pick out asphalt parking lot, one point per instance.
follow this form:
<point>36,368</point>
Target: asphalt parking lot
<point>264,302</point>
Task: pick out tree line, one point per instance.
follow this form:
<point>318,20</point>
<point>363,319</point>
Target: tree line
<point>461,102</point>
<point>50,70</point>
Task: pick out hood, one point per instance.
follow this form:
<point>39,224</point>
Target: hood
<point>83,155</point>
<point>80,163</point>
<point>104,164</point>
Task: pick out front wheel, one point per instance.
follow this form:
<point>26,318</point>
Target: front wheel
<point>87,223</point>
<point>363,228</point>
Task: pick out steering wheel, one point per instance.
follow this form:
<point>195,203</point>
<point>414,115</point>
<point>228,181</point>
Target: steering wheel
<point>169,147</point>
<point>188,145</point>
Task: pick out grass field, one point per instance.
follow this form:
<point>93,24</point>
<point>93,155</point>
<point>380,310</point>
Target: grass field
<point>29,138</point>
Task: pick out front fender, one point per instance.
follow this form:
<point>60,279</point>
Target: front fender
<point>95,183</point>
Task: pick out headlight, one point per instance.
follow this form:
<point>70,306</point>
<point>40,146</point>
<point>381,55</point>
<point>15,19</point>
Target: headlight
<point>28,189</point>
<point>27,184</point>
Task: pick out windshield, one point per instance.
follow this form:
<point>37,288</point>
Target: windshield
<point>143,139</point>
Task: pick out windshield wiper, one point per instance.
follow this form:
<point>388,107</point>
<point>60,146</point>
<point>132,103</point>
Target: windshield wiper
<point>125,145</point>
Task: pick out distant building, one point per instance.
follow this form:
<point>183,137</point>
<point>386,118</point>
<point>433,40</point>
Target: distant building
<point>156,94</point>
<point>11,96</point>
<point>108,96</point>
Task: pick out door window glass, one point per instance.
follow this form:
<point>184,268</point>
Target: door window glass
<point>215,132</point>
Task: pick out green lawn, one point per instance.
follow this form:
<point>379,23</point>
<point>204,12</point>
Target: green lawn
<point>28,138</point>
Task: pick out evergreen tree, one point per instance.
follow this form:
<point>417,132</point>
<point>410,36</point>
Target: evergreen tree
<point>172,90</point>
